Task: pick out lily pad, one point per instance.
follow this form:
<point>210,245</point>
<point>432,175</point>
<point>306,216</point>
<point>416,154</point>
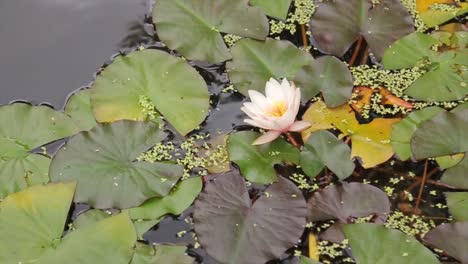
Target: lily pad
<point>451,238</point>
<point>336,25</point>
<point>103,163</point>
<point>46,209</point>
<point>255,62</point>
<point>436,12</point>
<point>328,75</point>
<point>164,80</point>
<point>403,131</point>
<point>324,149</point>
<point>444,134</point>
<point>78,107</point>
<point>146,254</point>
<point>233,229</point>
<point>457,203</point>
<point>23,128</point>
<point>373,243</point>
<point>182,23</point>
<point>179,199</point>
<point>347,201</point>
<point>456,176</point>
<point>370,142</point>
<point>278,9</point>
<point>444,80</point>
<point>256,162</point>
<point>446,162</point>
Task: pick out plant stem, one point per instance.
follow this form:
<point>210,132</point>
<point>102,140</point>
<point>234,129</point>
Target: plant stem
<point>424,178</point>
<point>304,36</point>
<point>365,56</point>
<point>356,51</point>
<point>292,140</point>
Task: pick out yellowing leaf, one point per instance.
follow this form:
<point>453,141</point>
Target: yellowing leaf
<point>370,142</point>
<point>436,12</point>
<point>313,248</point>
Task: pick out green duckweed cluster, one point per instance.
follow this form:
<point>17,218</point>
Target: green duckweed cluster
<point>303,11</point>
<point>196,155</point>
<point>418,22</point>
<point>148,108</point>
<point>413,225</point>
<point>329,252</point>
<point>302,182</point>
<point>443,7</point>
<point>231,39</point>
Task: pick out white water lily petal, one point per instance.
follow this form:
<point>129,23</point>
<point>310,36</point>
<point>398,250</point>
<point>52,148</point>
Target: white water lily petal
<point>299,126</point>
<point>276,111</point>
<point>267,137</point>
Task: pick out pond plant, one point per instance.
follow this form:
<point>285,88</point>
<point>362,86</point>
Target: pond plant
<point>344,140</point>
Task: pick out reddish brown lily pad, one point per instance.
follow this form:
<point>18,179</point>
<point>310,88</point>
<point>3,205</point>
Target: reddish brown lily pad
<point>233,229</point>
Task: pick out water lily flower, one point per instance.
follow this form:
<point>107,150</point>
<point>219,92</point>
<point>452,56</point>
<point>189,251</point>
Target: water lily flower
<point>275,112</point>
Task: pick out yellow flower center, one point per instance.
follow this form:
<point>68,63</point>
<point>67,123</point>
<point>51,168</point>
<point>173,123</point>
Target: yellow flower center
<point>278,108</point>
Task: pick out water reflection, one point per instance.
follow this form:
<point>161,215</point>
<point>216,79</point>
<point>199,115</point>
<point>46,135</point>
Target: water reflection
<point>51,47</point>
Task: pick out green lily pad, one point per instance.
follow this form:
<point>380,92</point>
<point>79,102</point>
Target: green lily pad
<point>23,128</point>
<point>445,79</point>
<point>347,201</point>
<point>169,83</point>
<point>443,134</point>
<point>403,131</point>
<point>433,16</point>
<point>323,149</point>
<point>446,162</point>
<point>45,208</point>
<point>457,203</point>
<point>182,23</point>
<point>145,254</point>
<point>373,243</point>
<point>90,217</point>
<point>456,176</point>
<point>328,75</point>
<point>255,62</point>
<point>103,163</point>
<point>451,238</point>
<point>152,211</point>
<point>78,107</point>
<point>233,229</point>
<point>336,25</point>
<point>278,9</point>
<point>256,162</point>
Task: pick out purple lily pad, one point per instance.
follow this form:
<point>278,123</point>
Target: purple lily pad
<point>233,229</point>
<point>451,238</point>
<point>347,201</point>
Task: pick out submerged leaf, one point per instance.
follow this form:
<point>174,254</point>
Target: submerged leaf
<point>90,217</point>
<point>103,163</point>
<point>328,75</point>
<point>347,201</point>
<point>337,24</point>
<point>370,142</point>
<point>443,134</point>
<point>24,128</point>
<point>255,62</point>
<point>234,230</point>
<point>192,27</point>
<point>451,238</point>
<point>457,203</point>
<point>324,149</point>
<point>170,85</point>
<point>256,162</point>
<point>373,243</point>
<point>46,209</point>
